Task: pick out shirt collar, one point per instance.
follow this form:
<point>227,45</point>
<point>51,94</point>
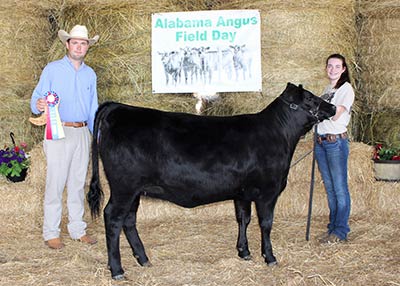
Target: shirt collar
<point>67,59</point>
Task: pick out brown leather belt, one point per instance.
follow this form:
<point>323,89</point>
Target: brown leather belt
<point>331,137</point>
<point>75,124</point>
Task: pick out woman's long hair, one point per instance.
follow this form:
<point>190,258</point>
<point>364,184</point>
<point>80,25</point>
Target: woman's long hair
<point>345,77</point>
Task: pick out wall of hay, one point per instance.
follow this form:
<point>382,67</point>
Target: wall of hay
<point>26,37</point>
<point>297,36</point>
<point>379,40</point>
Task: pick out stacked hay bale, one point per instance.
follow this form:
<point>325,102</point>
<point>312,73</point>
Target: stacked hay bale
<point>379,39</point>
<point>367,194</point>
<point>122,58</point>
<point>296,39</point>
<point>26,38</point>
<point>298,36</point>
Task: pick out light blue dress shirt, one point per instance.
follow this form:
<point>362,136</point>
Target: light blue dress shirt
<point>77,90</point>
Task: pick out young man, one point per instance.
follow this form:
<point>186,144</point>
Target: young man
<point>72,86</point>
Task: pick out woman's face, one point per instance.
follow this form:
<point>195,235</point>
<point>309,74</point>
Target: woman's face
<point>334,69</point>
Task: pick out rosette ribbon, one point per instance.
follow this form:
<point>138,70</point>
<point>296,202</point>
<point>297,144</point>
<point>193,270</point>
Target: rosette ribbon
<point>54,129</point>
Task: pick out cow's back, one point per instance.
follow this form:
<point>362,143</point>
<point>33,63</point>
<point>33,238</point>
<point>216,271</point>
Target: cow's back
<point>165,154</point>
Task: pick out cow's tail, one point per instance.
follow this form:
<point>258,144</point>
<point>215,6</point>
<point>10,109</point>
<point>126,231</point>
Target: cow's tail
<point>95,195</point>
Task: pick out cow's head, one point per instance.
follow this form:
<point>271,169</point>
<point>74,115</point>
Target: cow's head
<point>297,98</point>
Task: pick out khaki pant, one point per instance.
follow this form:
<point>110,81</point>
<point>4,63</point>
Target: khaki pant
<point>67,163</point>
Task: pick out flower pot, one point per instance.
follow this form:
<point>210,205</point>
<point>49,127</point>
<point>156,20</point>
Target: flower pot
<point>387,170</point>
<point>19,178</point>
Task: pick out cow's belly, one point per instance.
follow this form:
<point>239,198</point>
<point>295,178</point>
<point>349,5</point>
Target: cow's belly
<point>188,198</point>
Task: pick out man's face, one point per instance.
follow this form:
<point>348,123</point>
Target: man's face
<point>77,48</point>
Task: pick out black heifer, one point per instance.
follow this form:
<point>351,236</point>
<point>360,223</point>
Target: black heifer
<point>194,160</point>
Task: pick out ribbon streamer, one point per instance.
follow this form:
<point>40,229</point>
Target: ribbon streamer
<point>54,129</point>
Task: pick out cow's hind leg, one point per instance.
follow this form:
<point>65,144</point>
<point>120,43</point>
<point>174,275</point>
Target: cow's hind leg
<point>132,235</point>
<point>113,220</point>
<point>243,217</point>
<point>265,213</point>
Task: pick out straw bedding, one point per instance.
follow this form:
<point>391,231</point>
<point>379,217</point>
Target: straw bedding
<point>197,246</point>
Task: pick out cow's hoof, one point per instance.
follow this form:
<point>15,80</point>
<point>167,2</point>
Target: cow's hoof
<point>273,263</point>
<point>119,277</point>
<point>147,264</point>
<point>247,257</point>
<point>244,254</point>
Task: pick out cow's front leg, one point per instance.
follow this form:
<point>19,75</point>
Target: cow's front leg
<point>243,217</point>
<point>265,214</point>
<point>113,225</point>
<point>132,235</point>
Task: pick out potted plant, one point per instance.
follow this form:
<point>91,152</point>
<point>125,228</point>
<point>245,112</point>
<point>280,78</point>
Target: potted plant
<point>386,162</point>
<point>14,161</point>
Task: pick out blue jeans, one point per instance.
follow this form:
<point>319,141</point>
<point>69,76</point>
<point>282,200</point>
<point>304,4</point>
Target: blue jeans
<point>332,164</point>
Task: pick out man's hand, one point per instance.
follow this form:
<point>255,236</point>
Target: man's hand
<point>41,104</point>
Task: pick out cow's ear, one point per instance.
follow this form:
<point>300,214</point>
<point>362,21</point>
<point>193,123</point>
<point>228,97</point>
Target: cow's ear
<point>301,86</point>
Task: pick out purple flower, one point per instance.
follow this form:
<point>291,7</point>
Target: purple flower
<point>13,160</point>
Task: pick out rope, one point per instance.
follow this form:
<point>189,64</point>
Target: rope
<point>301,158</point>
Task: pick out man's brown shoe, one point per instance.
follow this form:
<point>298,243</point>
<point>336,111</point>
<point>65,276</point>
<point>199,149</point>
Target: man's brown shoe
<point>54,243</point>
<point>87,239</point>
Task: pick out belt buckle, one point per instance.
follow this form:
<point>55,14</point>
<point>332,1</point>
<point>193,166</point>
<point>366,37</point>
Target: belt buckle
<point>331,138</point>
<point>79,124</point>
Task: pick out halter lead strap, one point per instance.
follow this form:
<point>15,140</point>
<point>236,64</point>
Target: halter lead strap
<point>292,105</point>
<point>296,107</point>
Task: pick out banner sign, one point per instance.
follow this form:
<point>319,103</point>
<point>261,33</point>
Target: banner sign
<point>206,51</point>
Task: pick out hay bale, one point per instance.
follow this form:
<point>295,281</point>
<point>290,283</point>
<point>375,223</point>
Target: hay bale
<point>121,58</point>
<point>367,194</point>
<point>379,23</point>
<point>379,38</point>
<point>297,37</point>
<point>14,116</point>
<point>26,37</point>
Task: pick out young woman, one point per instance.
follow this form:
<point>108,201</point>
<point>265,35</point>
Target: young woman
<point>332,149</point>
